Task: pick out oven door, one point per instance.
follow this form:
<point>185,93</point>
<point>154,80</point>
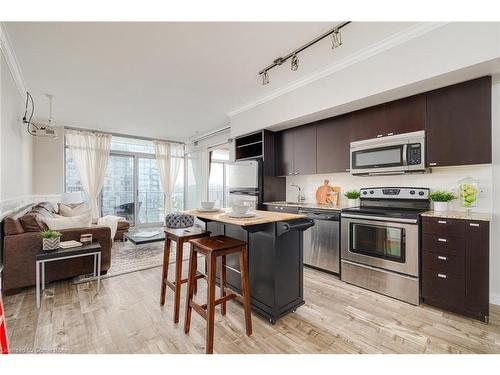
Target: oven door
<point>389,245</point>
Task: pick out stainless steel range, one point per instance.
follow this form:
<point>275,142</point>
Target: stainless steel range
<point>380,241</point>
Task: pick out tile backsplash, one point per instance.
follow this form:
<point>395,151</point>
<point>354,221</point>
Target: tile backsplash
<point>445,178</point>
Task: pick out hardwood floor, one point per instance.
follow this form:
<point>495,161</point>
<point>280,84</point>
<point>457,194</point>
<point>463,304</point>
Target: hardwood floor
<point>126,317</point>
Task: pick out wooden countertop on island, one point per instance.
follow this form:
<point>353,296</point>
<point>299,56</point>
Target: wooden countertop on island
<point>262,217</point>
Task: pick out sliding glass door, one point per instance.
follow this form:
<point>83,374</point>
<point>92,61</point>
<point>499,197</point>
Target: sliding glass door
<point>150,197</point>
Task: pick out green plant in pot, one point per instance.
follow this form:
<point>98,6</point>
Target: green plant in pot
<point>50,239</point>
<point>352,197</point>
<point>441,199</point>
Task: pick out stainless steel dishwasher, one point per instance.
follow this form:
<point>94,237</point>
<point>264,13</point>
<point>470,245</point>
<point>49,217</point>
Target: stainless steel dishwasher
<point>321,242</point>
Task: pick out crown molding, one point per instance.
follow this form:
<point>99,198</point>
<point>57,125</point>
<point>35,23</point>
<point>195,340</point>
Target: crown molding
<point>11,60</point>
<point>363,54</point>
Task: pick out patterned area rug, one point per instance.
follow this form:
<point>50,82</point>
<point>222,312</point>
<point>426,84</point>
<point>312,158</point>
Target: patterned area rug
<point>126,258</point>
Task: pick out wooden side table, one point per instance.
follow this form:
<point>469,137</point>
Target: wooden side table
<point>94,249</point>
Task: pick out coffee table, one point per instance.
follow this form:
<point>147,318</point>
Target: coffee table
<point>74,252</point>
<point>139,240</point>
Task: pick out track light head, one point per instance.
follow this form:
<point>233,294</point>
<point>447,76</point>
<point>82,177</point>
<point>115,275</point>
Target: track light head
<point>294,64</point>
<point>336,39</point>
<point>265,78</point>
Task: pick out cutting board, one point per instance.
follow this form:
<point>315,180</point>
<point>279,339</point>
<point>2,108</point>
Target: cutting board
<point>326,194</point>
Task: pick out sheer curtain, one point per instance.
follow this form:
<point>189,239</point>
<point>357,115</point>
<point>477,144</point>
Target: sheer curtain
<point>90,153</point>
<point>200,165</point>
<point>169,157</point>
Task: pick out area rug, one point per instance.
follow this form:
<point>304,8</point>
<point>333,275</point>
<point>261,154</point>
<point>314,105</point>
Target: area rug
<point>126,258</point>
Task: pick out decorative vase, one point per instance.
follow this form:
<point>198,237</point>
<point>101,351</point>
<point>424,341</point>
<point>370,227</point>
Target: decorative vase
<point>51,243</point>
<point>353,202</point>
<point>468,190</point>
<point>441,206</point>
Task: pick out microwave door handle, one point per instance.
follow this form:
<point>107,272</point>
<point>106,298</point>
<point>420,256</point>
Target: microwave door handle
<point>405,156</point>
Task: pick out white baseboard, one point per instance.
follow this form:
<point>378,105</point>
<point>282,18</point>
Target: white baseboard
<point>495,298</point>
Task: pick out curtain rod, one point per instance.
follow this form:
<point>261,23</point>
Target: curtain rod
<point>123,135</point>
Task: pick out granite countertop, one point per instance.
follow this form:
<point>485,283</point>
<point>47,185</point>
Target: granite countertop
<point>316,206</point>
<point>483,216</point>
<point>262,217</point>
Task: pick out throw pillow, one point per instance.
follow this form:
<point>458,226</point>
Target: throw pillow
<point>80,221</point>
<point>68,211</point>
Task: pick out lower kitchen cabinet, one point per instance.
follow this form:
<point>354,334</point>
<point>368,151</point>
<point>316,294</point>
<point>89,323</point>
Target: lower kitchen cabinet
<point>455,265</point>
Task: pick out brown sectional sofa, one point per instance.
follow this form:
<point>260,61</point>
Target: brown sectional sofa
<point>21,241</point>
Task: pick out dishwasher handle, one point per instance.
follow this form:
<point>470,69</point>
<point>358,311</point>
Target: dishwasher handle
<point>314,215</point>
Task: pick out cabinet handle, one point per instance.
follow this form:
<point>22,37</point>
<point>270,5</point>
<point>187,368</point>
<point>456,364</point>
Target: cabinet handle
<point>442,275</point>
<point>347,170</point>
<point>390,133</point>
<point>474,224</point>
<point>290,173</point>
<point>432,164</point>
<point>442,240</point>
<point>441,221</point>
<point>380,135</point>
<point>440,257</point>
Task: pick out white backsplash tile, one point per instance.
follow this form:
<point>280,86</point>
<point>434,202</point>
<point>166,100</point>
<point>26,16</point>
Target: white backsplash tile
<point>445,178</point>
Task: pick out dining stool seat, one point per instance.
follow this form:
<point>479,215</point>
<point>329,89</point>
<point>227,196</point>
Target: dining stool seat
<point>213,248</point>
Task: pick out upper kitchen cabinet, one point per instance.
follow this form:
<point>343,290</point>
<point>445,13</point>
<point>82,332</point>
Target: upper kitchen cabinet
<point>406,115</point>
<point>296,151</point>
<point>368,123</point>
<point>400,116</point>
<point>333,142</point>
<point>458,128</point>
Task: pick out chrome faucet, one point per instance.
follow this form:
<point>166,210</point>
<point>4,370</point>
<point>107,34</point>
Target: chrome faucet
<point>300,197</point>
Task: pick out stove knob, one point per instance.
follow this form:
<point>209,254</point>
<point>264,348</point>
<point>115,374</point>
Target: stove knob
<point>364,192</point>
<point>420,193</point>
<point>412,192</point>
<point>371,192</point>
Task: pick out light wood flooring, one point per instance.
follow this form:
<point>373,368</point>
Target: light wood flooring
<point>337,318</point>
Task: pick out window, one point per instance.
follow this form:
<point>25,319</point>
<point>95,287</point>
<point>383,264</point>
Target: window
<point>132,186</point>
<point>217,190</point>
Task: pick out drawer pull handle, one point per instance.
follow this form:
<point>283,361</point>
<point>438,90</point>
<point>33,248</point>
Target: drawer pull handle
<point>432,164</point>
<point>380,135</point>
<point>442,275</point>
<point>441,221</point>
<point>442,240</point>
<point>474,224</point>
<point>390,133</point>
<point>440,257</point>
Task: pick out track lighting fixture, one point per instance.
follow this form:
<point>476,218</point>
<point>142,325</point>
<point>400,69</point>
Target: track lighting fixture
<point>336,39</point>
<point>294,63</point>
<point>265,78</point>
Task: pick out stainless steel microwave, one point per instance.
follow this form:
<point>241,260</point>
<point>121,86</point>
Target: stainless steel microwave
<point>395,154</point>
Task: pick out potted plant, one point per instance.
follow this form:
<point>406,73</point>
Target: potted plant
<point>50,239</point>
<point>441,199</point>
<point>352,198</point>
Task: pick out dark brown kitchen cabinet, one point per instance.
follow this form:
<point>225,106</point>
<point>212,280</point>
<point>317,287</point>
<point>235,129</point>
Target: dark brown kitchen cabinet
<point>455,265</point>
<point>296,153</point>
<point>368,123</point>
<point>333,142</point>
<point>405,115</point>
<point>458,127</point>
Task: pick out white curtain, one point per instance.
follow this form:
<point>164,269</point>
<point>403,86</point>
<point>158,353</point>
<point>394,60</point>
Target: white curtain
<point>90,152</point>
<point>200,167</point>
<point>168,157</point>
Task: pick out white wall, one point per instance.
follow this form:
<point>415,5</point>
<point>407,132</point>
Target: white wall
<point>48,164</point>
<point>15,144</point>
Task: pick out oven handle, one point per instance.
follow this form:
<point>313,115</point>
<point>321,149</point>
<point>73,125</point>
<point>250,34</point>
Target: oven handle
<point>379,218</point>
<point>405,158</point>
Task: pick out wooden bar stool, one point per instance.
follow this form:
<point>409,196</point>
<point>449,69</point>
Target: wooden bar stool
<point>180,236</point>
<point>212,248</point>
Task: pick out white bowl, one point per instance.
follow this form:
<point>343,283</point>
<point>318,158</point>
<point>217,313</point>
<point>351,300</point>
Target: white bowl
<point>207,205</point>
<point>240,209</point>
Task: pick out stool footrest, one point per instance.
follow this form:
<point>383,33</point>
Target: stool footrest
<point>171,284</point>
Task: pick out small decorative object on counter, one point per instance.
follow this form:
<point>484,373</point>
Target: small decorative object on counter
<point>50,239</point>
<point>352,198</point>
<point>441,199</point>
<point>468,190</point>
<point>327,194</point>
<point>86,239</point>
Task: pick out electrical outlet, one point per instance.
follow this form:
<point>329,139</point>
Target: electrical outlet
<point>482,191</point>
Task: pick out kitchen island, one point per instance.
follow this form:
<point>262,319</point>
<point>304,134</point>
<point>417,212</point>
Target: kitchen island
<point>275,257</point>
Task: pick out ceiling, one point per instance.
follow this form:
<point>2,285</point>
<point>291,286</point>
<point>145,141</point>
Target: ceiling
<point>168,80</point>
